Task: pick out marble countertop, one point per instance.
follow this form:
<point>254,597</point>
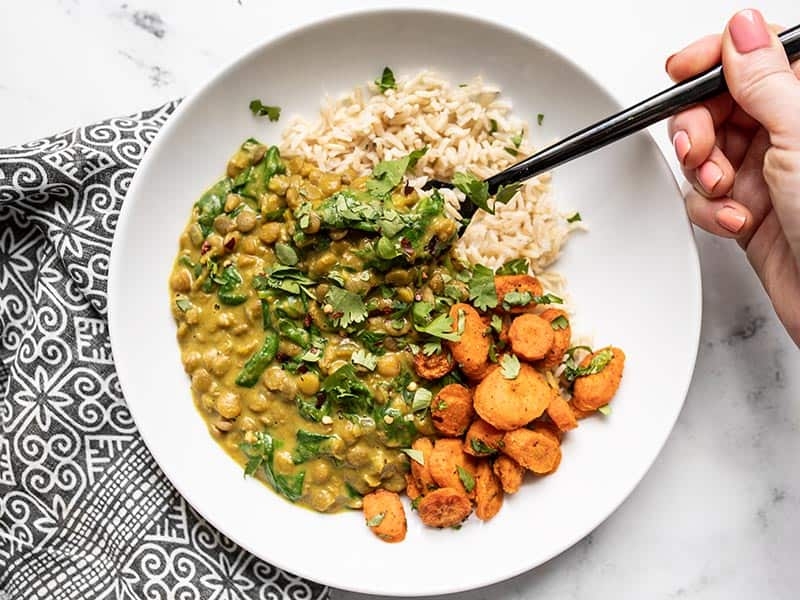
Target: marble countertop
<point>718,515</point>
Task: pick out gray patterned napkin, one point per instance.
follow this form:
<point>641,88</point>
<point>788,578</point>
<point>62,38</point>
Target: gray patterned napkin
<point>84,511</point>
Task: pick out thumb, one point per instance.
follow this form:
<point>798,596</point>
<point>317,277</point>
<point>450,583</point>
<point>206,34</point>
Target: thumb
<point>760,79</point>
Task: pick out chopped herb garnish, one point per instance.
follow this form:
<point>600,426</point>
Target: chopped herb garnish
<point>482,290</point>
<point>497,323</point>
<point>311,445</point>
<point>517,139</point>
<point>492,126</point>
<point>548,299</point>
<point>574,218</point>
<point>509,366</point>
<point>376,520</point>
<point>422,399</point>
<point>440,327</point>
<point>348,306</point>
<point>560,322</point>
<point>481,447</point>
<point>605,410</point>
<point>345,389</point>
<point>476,190</point>
<point>386,81</point>
<point>467,480</point>
<point>511,151</point>
<point>518,266</point>
<point>183,304</point>
<point>506,192</point>
<point>539,118</point>
<point>598,362</point>
<point>285,254</point>
<point>259,109</point>
<point>415,455</point>
<point>431,348</point>
<point>517,299</point>
<point>365,359</point>
<point>261,454</point>
<point>388,174</point>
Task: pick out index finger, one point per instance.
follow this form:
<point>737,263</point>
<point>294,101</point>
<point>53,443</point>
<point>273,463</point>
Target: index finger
<point>695,58</point>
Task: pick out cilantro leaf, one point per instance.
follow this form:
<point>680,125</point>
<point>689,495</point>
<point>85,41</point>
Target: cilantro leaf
<point>440,327</point>
<point>560,322</point>
<point>548,299</point>
<point>183,304</point>
<point>598,362</point>
<point>476,190</point>
<point>492,126</point>
<point>259,109</point>
<point>574,218</point>
<point>431,348</point>
<point>415,455</point>
<point>345,209</point>
<point>467,480</point>
<point>497,323</point>
<point>517,139</point>
<point>605,410</point>
<point>386,81</point>
<point>517,299</point>
<point>482,290</point>
<point>365,359</point>
<point>422,399</point>
<point>481,447</point>
<point>509,366</point>
<point>506,192</point>
<point>388,174</point>
<point>376,520</point>
<point>518,266</point>
<point>539,118</point>
<point>348,307</point>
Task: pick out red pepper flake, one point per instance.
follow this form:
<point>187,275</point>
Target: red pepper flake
<point>205,247</point>
<point>307,320</point>
<point>406,247</point>
<point>230,244</point>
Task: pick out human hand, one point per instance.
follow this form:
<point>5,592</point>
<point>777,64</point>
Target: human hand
<point>741,153</point>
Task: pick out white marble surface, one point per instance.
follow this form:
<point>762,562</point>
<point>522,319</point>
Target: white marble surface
<point>718,515</point>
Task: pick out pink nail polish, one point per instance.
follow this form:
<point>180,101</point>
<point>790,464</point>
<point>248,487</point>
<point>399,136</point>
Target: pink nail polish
<point>709,175</point>
<point>730,218</point>
<point>749,31</point>
<point>682,144</point>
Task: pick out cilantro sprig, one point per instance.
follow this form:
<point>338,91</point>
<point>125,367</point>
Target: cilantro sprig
<point>259,109</point>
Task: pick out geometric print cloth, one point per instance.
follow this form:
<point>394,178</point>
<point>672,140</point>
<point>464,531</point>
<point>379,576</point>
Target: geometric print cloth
<point>85,512</point>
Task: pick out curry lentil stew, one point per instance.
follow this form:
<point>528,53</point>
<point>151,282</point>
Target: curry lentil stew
<point>334,342</point>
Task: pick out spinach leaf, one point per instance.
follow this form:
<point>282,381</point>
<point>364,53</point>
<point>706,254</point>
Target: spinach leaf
<point>311,445</point>
<point>344,389</point>
<point>261,454</point>
<point>211,204</point>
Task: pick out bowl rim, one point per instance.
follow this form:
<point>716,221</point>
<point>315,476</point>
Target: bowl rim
<point>303,28</point>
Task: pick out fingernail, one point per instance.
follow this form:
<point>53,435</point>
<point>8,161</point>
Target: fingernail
<point>666,64</point>
<point>709,175</point>
<point>682,144</point>
<point>748,31</point>
<point>730,218</point>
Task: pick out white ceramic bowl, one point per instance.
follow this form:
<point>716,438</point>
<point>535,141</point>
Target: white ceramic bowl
<point>634,279</point>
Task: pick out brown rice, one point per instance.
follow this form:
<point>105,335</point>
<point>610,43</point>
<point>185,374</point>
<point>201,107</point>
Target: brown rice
<point>466,127</point>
